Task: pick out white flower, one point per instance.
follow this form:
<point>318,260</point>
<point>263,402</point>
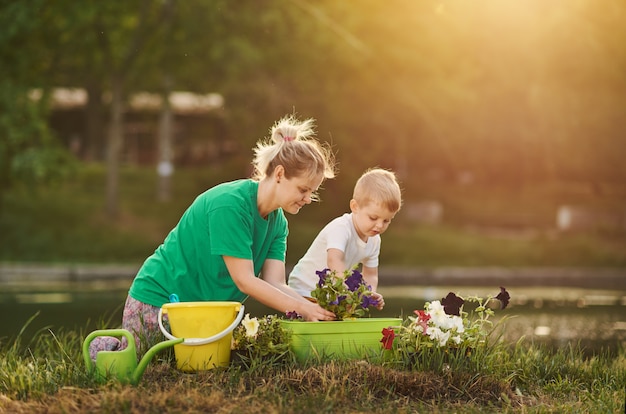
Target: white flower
<point>251,325</point>
<point>456,323</point>
<point>446,323</point>
<point>438,335</point>
<point>437,314</point>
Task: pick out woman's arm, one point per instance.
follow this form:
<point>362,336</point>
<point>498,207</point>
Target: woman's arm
<point>270,290</point>
<point>274,273</point>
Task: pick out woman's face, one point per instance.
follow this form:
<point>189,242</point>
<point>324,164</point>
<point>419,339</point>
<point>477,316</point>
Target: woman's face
<point>295,192</point>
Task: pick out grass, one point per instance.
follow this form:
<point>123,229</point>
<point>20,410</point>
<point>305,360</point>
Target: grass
<point>483,225</point>
<point>49,376</point>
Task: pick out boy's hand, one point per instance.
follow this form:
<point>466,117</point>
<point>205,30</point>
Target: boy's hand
<point>380,299</point>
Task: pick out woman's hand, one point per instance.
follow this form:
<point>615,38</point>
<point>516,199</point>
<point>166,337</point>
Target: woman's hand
<point>313,312</point>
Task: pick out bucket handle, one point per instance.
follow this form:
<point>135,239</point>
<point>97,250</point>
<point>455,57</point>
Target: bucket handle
<point>203,341</point>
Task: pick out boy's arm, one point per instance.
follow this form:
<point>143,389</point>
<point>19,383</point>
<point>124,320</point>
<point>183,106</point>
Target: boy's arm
<point>335,260</point>
<point>370,275</point>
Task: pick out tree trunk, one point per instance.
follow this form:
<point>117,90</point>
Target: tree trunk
<point>114,146</point>
<point>165,166</point>
<point>92,148</point>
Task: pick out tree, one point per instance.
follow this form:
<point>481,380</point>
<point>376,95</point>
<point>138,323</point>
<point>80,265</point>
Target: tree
<point>29,153</point>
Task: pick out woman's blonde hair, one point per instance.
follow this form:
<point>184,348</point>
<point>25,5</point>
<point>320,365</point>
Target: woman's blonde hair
<point>378,186</point>
<point>292,144</point>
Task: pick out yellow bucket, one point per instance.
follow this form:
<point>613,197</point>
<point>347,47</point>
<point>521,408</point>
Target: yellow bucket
<point>207,328</point>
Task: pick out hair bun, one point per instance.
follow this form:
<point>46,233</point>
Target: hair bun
<point>307,156</point>
<point>284,133</point>
<point>289,129</point>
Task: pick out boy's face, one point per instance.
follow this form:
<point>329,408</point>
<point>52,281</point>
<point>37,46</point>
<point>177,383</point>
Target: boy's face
<point>370,219</point>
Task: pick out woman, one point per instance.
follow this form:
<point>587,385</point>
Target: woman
<point>231,242</point>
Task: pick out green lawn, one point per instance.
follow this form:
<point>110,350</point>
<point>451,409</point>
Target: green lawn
<point>482,227</point>
<point>51,377</point>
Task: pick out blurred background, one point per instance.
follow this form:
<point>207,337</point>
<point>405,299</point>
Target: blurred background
<point>505,122</point>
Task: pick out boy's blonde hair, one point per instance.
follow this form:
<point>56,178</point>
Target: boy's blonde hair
<point>292,144</point>
<point>380,186</point>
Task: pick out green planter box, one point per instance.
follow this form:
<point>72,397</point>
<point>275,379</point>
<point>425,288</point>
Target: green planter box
<point>349,339</point>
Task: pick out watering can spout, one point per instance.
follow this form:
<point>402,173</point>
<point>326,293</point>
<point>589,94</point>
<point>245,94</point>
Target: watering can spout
<point>121,364</point>
<point>141,367</point>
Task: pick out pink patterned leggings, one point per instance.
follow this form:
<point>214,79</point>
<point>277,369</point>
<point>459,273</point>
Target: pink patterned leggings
<point>141,320</point>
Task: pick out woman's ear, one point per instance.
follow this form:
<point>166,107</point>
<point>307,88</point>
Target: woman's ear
<point>279,173</point>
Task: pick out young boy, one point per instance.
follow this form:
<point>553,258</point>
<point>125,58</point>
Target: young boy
<point>353,238</point>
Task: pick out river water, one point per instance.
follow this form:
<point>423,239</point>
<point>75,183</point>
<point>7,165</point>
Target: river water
<point>593,318</point>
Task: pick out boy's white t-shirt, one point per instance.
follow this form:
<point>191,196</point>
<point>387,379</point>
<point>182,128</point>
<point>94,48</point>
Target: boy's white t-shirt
<point>338,234</point>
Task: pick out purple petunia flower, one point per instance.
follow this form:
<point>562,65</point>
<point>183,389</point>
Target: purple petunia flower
<point>322,275</point>
<point>291,315</point>
<point>452,304</point>
<point>339,299</point>
<point>354,281</point>
<point>367,301</point>
<point>503,297</point>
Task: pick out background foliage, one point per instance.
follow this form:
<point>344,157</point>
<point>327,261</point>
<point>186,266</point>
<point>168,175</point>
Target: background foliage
<point>491,99</point>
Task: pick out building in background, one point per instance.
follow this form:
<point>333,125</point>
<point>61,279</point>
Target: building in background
<point>199,133</point>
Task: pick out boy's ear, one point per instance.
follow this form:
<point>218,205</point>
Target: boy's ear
<point>354,206</point>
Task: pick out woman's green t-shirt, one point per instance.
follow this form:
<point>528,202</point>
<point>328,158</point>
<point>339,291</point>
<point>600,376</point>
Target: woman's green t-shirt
<point>222,221</point>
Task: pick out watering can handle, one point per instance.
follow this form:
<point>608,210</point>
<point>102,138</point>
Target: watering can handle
<point>203,341</point>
